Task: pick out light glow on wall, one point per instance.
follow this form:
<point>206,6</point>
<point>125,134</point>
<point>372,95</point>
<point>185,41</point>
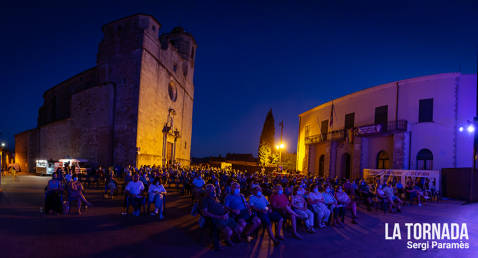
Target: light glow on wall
<point>470,128</point>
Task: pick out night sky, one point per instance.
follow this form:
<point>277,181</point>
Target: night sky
<point>286,55</point>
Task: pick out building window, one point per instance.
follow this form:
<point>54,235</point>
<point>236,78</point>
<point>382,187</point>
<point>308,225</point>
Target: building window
<point>321,165</point>
<point>307,130</point>
<point>425,159</point>
<point>324,129</point>
<point>425,113</point>
<point>175,67</point>
<point>381,117</point>
<point>349,121</point>
<point>383,161</point>
<point>173,91</point>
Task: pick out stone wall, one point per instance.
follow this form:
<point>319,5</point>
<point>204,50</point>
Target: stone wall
<point>401,144</point>
<point>163,67</point>
<point>319,149</point>
<point>57,100</point>
<point>154,105</point>
<point>55,141</point>
<point>91,124</point>
<point>114,113</point>
<point>119,64</point>
<point>21,149</point>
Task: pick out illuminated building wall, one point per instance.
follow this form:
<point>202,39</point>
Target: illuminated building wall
<point>133,107</point>
<point>404,138</point>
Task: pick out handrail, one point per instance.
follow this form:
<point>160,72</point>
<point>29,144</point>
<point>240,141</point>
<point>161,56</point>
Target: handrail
<point>364,130</point>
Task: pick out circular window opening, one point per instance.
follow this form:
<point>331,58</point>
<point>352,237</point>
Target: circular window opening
<point>173,92</point>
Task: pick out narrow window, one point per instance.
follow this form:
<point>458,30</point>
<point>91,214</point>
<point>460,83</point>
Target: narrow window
<point>307,130</point>
<point>425,113</point>
<point>349,121</point>
<point>381,117</point>
<point>324,129</point>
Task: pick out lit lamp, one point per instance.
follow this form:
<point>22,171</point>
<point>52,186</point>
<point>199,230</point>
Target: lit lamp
<point>1,165</point>
<point>280,147</point>
<point>470,128</point>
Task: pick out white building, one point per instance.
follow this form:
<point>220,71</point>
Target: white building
<point>408,124</point>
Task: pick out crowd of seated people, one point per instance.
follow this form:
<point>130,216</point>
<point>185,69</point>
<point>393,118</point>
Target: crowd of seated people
<point>234,204</point>
<point>237,203</point>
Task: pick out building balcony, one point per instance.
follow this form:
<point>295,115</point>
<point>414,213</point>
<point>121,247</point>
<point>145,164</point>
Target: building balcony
<point>330,136</point>
<point>386,128</point>
<point>365,130</point>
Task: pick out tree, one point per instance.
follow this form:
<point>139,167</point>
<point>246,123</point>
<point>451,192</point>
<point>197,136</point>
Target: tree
<point>266,141</point>
<point>264,154</point>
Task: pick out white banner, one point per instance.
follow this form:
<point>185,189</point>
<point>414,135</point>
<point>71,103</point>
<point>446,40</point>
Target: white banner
<point>403,174</point>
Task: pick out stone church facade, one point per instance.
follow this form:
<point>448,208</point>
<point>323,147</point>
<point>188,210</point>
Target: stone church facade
<point>134,107</point>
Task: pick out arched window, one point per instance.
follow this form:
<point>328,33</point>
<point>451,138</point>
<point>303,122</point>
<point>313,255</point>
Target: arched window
<point>321,165</point>
<point>425,159</point>
<point>383,161</point>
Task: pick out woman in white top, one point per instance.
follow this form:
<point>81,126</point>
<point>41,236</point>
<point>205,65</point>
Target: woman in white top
<point>156,194</point>
<point>317,203</point>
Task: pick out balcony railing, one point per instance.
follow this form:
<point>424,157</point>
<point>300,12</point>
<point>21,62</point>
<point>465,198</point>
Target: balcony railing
<point>318,138</point>
<point>374,129</point>
<point>366,130</point>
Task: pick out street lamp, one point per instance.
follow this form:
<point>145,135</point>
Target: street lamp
<point>280,147</point>
<point>470,128</point>
<point>1,164</point>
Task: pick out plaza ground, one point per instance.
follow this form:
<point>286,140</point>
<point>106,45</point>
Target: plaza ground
<point>103,232</point>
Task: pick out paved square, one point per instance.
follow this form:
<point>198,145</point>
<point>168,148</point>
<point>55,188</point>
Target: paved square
<point>103,232</point>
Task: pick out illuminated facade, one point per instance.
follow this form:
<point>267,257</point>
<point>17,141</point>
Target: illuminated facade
<point>134,107</point>
<point>408,124</point>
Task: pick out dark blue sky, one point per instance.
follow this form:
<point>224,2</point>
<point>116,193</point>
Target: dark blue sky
<point>286,55</point>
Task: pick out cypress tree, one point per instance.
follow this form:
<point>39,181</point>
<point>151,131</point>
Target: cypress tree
<point>266,142</point>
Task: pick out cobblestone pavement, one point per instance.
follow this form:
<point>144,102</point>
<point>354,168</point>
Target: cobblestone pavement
<point>103,232</point>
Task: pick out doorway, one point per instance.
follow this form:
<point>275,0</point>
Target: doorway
<point>346,165</point>
<point>169,153</point>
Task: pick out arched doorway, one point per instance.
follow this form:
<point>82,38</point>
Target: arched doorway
<point>425,159</point>
<point>346,165</point>
<point>383,161</point>
<point>321,165</point>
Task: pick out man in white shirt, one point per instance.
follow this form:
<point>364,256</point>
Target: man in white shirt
<point>133,192</point>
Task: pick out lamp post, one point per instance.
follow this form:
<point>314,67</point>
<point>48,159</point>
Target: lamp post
<point>279,147</point>
<point>3,144</point>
